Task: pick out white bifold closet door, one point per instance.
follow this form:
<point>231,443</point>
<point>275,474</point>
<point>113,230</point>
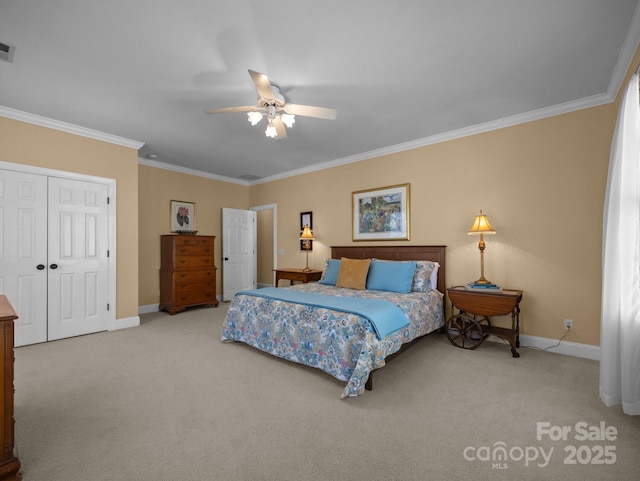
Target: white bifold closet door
<point>54,255</point>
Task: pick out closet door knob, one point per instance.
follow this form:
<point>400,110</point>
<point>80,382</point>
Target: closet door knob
<point>40,267</point>
<point>54,266</point>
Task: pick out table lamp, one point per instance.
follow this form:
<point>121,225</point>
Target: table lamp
<point>307,237</point>
<point>481,226</point>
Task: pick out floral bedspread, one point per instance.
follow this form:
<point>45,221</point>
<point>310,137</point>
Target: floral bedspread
<point>341,344</point>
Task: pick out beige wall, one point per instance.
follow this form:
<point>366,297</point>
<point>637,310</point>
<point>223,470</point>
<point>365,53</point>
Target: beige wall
<point>264,220</point>
<point>541,184</point>
<point>157,187</point>
<point>24,143</point>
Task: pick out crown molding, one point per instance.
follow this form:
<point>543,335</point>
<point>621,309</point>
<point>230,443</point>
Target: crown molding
<point>539,114</point>
<point>185,170</point>
<point>628,50</point>
<point>69,128</point>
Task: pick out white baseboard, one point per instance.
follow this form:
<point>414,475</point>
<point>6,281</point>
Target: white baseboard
<point>148,309</point>
<point>125,323</point>
<point>568,348</point>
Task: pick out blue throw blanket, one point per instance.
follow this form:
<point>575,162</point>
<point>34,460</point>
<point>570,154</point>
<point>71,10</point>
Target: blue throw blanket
<point>385,317</point>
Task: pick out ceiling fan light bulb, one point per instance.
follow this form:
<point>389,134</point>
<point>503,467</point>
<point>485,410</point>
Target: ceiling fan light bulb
<point>288,119</point>
<point>271,131</point>
<point>254,117</point>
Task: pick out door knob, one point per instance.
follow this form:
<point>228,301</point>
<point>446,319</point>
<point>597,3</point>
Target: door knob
<point>54,266</point>
<point>40,267</point>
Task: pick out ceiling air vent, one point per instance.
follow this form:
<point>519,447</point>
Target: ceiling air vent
<point>6,52</point>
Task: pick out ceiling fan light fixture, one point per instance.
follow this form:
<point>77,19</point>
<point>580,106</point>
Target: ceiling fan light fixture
<point>288,119</point>
<point>271,131</point>
<point>272,105</point>
<point>254,117</point>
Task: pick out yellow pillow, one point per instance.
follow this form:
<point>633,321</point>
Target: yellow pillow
<point>353,273</point>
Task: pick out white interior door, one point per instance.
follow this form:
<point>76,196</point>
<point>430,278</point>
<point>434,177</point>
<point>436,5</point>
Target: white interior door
<point>239,266</point>
<point>78,257</point>
<point>23,252</point>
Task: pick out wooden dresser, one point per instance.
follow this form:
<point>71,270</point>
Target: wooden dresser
<point>9,464</point>
<point>187,272</point>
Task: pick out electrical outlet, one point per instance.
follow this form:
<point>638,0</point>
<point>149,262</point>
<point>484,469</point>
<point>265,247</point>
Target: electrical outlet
<point>568,324</point>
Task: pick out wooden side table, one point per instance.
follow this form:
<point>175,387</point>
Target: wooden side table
<point>297,275</point>
<point>471,325</point>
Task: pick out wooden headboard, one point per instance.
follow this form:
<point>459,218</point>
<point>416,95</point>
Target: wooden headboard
<point>397,253</point>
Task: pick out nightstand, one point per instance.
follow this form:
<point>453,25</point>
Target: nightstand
<point>471,325</point>
<point>297,275</point>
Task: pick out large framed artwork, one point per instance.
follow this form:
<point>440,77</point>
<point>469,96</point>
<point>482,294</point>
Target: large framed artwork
<point>381,214</point>
<point>183,217</point>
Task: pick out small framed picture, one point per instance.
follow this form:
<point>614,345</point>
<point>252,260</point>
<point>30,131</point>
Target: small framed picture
<point>183,216</point>
<point>306,218</point>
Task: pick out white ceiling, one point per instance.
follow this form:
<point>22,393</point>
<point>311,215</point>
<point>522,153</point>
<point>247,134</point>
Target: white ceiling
<point>399,73</point>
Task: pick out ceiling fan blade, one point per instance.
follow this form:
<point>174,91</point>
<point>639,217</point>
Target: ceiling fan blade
<point>309,111</point>
<point>280,128</point>
<point>263,85</point>
<point>230,109</point>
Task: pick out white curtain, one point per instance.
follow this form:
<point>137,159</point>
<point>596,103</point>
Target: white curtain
<point>620,316</point>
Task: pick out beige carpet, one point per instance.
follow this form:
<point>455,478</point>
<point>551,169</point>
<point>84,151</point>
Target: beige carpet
<point>168,401</point>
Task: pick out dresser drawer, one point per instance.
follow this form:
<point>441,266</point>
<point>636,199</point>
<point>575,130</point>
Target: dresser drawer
<point>195,297</point>
<point>194,250</point>
<point>193,240</point>
<point>190,262</point>
<point>200,274</point>
<point>195,283</point>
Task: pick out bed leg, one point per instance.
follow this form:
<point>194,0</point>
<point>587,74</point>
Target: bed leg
<point>369,384</point>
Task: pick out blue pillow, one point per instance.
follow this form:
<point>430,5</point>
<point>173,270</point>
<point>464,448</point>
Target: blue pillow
<point>331,274</point>
<point>391,276</point>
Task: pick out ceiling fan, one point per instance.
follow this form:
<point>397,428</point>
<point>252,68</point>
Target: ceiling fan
<point>272,104</point>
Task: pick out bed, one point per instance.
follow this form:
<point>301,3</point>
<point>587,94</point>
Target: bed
<point>348,344</point>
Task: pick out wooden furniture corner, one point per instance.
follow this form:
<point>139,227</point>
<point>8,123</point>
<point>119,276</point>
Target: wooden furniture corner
<point>9,463</point>
<point>297,275</point>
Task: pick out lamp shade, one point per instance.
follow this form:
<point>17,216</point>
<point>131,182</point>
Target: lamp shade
<point>481,225</point>
<point>307,234</point>
<point>288,119</point>
<point>254,117</point>
<point>271,131</point>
